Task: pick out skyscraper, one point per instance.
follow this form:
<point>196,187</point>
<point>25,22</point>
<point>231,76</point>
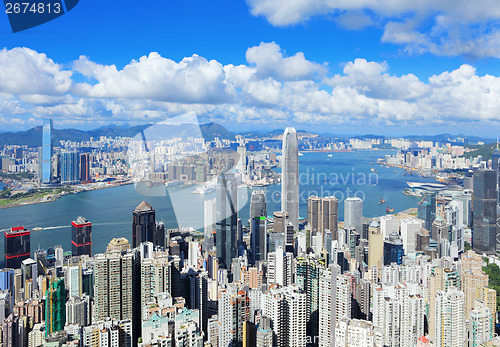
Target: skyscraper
<point>233,311</point>
<point>353,213</point>
<point>17,246</point>
<point>450,320</point>
<point>113,286</point>
<point>290,176</point>
<point>484,232</point>
<point>322,214</point>
<point>81,237</point>
<point>85,167</point>
<point>258,225</point>
<point>70,172</point>
<point>45,171</point>
<point>227,219</point>
<point>55,306</point>
<point>144,225</point>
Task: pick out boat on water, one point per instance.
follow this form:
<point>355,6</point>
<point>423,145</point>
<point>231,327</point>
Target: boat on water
<point>301,154</point>
<point>389,210</point>
<point>204,190</point>
<point>372,169</point>
<point>381,201</point>
<point>330,155</point>
<point>37,229</point>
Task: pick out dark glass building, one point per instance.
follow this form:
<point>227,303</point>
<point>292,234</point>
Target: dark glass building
<point>393,249</point>
<point>84,167</point>
<point>227,219</point>
<point>144,225</point>
<point>258,225</point>
<point>17,246</point>
<point>81,237</point>
<point>484,229</point>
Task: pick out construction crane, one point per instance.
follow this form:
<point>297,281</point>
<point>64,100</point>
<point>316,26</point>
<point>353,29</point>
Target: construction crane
<point>423,198</point>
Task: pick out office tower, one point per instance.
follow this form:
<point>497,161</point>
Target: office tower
<point>193,248</point>
<point>155,278</point>
<point>81,237</point>
<point>45,159</point>
<point>424,213</point>
<point>450,320</point>
<point>280,221</point>
<point>327,306</point>
<point>7,282</point>
<point>55,308</point>
<point>375,247</point>
<point>233,311</point>
<point>16,246</point>
<point>70,171</point>
<point>77,310</point>
<point>484,232</point>
<point>388,225</point>
<point>209,217</point>
<point>393,249</point>
<point>286,309</point>
<point>322,214</point>
<point>113,286</point>
<point>353,213</point>
<point>279,267</point>
<point>290,176</point>
<point>85,167</point>
<point>258,225</point>
<point>144,225</point>
<point>74,280</point>
<point>409,229</point>
<point>227,219</point>
<point>307,273</point>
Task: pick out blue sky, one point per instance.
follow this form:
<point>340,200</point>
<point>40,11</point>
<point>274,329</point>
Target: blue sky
<point>386,66</point>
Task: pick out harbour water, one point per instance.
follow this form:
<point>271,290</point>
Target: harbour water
<point>110,210</point>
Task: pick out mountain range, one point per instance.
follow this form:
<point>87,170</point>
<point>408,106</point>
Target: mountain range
<point>33,136</point>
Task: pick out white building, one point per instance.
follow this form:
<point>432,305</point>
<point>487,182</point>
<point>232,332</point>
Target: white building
<point>449,322</point>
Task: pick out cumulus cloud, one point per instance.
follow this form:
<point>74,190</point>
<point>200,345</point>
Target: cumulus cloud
<point>149,89</point>
<point>25,71</point>
<point>194,79</point>
<point>459,27</point>
<point>268,60</point>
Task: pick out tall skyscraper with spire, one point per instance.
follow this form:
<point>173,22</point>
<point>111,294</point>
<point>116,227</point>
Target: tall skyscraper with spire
<point>290,176</point>
<point>45,154</point>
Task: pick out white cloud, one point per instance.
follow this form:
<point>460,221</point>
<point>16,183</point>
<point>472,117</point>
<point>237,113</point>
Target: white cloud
<point>364,93</point>
<point>269,61</point>
<point>25,71</point>
<point>194,79</point>
<point>459,27</point>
